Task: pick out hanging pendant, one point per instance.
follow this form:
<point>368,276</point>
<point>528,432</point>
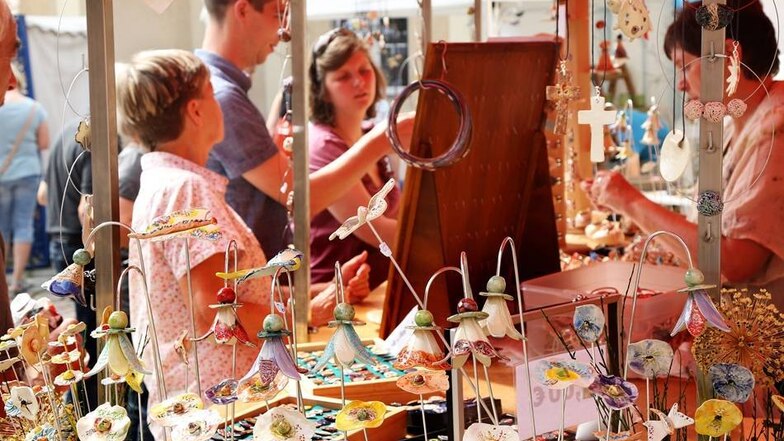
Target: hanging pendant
<point>675,156</point>
<point>734,77</point>
<point>83,134</point>
<point>561,94</point>
<point>597,118</point>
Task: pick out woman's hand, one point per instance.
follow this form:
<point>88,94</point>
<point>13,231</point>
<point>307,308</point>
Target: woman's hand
<point>609,190</point>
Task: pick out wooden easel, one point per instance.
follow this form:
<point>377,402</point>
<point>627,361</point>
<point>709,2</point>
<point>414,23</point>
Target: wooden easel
<point>502,188</point>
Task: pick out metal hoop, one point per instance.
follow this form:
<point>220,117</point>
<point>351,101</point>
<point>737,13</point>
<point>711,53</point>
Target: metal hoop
<point>460,147</point>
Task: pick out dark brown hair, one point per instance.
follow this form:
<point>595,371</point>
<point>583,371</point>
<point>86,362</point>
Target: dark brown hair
<point>217,8</point>
<point>330,52</point>
<point>152,92</point>
<point>749,26</point>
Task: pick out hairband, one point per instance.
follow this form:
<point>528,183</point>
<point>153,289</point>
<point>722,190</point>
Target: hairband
<point>714,111</point>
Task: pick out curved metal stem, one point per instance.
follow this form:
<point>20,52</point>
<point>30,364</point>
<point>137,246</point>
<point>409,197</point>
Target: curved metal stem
<point>192,308</point>
<point>156,348</point>
<point>340,295</point>
<point>226,265</point>
<point>636,285</point>
<point>433,278</point>
<point>400,272</point>
<point>508,241</point>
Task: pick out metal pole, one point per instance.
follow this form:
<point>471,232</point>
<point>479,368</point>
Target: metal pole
<point>103,132</point>
<point>478,20</point>
<point>299,65</point>
<point>427,24</point>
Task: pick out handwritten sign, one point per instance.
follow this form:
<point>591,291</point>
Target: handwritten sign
<point>580,406</point>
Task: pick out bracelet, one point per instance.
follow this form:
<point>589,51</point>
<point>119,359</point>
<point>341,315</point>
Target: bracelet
<point>459,148</point>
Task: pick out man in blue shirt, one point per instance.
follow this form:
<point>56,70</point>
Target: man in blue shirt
<point>240,35</point>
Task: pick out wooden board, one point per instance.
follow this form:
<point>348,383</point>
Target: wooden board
<point>502,188</point>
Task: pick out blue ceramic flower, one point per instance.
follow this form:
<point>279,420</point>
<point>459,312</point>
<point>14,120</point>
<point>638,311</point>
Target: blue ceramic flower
<point>650,358</point>
<point>616,393</point>
<point>732,382</point>
<point>589,322</point>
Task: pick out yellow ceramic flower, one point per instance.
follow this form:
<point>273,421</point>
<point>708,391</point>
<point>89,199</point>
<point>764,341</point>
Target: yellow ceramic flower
<point>361,415</point>
<point>778,400</point>
<point>716,418</point>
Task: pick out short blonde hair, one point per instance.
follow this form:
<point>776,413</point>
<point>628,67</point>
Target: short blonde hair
<point>152,91</point>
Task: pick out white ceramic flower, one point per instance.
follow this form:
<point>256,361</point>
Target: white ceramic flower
<point>499,322</point>
<point>105,423</point>
<point>489,432</point>
<point>283,423</point>
<point>23,398</point>
<point>199,425</point>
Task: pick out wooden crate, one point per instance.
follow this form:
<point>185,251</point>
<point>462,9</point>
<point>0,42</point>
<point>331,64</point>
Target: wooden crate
<point>393,428</point>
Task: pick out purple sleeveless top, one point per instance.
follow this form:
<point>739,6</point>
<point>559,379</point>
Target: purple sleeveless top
<point>325,147</point>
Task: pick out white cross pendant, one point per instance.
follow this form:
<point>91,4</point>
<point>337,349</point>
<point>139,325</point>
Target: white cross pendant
<point>597,118</point>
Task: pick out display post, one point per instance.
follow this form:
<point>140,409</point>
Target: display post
<point>299,51</point>
<point>103,134</point>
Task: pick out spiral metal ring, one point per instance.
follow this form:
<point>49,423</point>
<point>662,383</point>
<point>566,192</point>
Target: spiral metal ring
<point>460,147</point>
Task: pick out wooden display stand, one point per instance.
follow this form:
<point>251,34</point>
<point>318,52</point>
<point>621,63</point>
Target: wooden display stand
<point>501,188</point>
<point>393,428</point>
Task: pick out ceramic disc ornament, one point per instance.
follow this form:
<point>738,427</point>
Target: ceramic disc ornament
<point>675,156</point>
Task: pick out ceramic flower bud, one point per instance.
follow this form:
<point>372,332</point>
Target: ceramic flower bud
<point>732,382</point>
<point>283,423</point>
<point>118,353</point>
<point>716,418</point>
<point>360,415</point>
<point>616,393</point>
<point>224,392</point>
<point>169,412</point>
<point>469,338</point>
<point>68,283</point>
<point>226,328</point>
<point>421,382</point>
<point>422,349</point>
<point>273,356</point>
<point>699,310</point>
<point>199,425</point>
<point>588,322</point>
<point>345,345</point>
<point>105,423</point>
<point>650,358</point>
<point>484,432</point>
<point>499,322</point>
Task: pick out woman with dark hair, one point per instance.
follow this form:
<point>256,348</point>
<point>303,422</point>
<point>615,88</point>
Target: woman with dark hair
<point>751,248</point>
<point>345,85</point>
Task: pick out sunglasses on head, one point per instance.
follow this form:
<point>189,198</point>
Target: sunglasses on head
<point>325,39</point>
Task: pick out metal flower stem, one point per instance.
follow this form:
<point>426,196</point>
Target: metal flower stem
<point>638,273</point>
<point>424,420</point>
<point>474,386</point>
<point>506,242</point>
<point>607,426</point>
<point>75,390</point>
<point>234,346</point>
<point>192,309</point>
<point>156,348</point>
<point>647,398</point>
<point>478,394</point>
<point>343,394</point>
<point>50,395</point>
<point>563,414</point>
<point>385,250</point>
<point>490,392</point>
<point>293,339</point>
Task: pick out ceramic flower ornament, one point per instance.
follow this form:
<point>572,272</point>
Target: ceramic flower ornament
<point>194,222</point>
<point>650,358</point>
<point>422,349</point>
<point>118,352</point>
<point>716,418</point>
<point>778,401</point>
<point>68,283</point>
<point>254,390</point>
<point>199,425</point>
<point>588,322</point>
<point>699,310</point>
<point>561,374</point>
<point>616,393</point>
<point>375,208</point>
<point>489,432</point>
<point>223,393</point>
<point>345,345</point>
<point>667,424</point>
<point>283,423</point>
<point>273,356</point>
<point>23,398</point>
<point>289,259</point>
<point>732,382</point>
<point>42,433</point>
<point>105,423</point>
<point>420,382</point>
<point>32,346</point>
<point>169,412</point>
<point>360,415</point>
<point>226,328</point>
<point>499,322</point>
